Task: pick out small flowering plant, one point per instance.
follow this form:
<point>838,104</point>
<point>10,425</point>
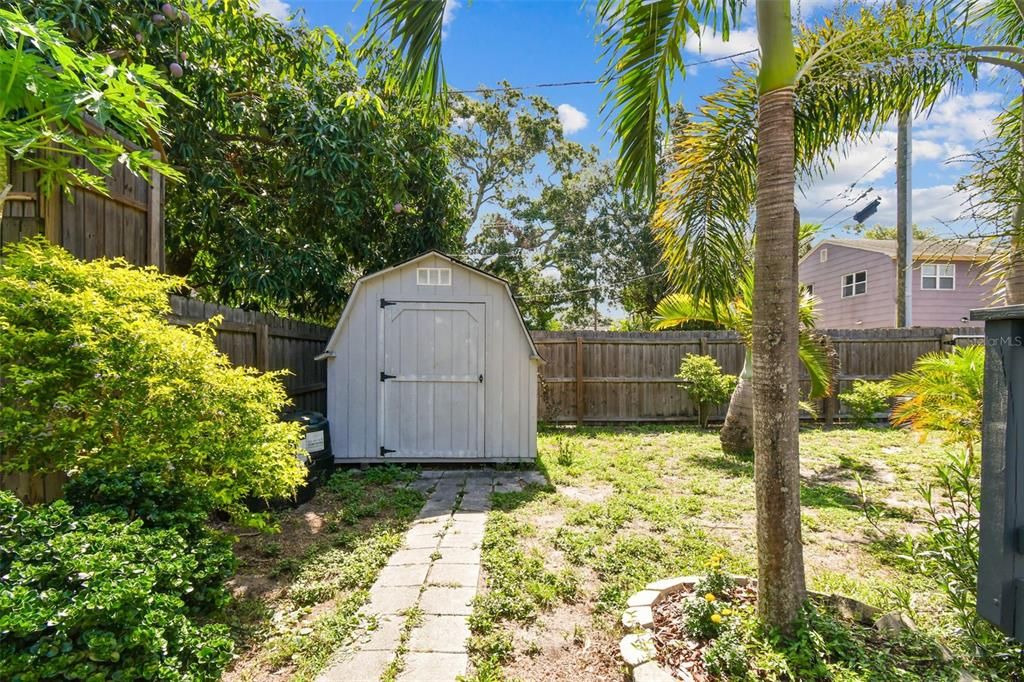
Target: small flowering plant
<point>709,611</point>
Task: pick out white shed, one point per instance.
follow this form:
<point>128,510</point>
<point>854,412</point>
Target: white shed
<point>431,362</point>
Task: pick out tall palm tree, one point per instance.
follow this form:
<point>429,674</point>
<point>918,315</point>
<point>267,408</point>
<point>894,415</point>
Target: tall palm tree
<point>643,43</point>
<point>737,435</point>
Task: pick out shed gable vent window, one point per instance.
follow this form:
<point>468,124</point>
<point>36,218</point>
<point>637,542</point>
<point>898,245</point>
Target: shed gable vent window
<point>855,284</point>
<point>823,255</point>
<point>434,277</point>
<point>938,276</point>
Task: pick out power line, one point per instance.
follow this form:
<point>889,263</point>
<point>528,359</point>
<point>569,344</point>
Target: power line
<point>597,81</point>
<point>846,191</point>
<point>862,195</point>
<point>567,292</point>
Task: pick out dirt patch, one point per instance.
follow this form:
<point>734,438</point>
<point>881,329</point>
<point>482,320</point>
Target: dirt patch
<point>586,495</point>
<point>564,644</point>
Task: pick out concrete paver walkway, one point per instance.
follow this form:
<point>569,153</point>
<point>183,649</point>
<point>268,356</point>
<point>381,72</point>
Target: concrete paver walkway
<point>419,606</point>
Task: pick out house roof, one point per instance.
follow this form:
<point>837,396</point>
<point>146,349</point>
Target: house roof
<point>433,252</point>
<point>930,249</point>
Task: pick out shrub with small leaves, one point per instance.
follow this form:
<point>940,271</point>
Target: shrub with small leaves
<point>706,385</point>
<point>726,656</point>
<point>708,612</point>
<point>146,494</point>
<point>95,598</point>
<point>866,399</point>
<point>96,378</point>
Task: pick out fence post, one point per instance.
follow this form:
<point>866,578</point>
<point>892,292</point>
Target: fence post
<point>263,347</point>
<point>579,381</point>
<point>703,345</point>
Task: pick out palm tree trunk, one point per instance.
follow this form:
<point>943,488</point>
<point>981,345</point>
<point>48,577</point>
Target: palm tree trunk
<point>737,435</point>
<point>781,583</point>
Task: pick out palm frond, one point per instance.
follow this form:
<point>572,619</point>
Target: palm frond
<point>643,46</point>
<point>414,28</point>
<point>676,310</point>
<point>815,359</point>
<point>855,76</point>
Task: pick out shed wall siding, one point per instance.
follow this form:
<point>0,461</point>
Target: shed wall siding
<point>510,381</point>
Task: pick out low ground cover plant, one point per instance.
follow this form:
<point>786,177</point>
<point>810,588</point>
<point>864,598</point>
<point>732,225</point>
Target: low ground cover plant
<point>314,575</point>
<point>96,378</point>
<point>95,597</point>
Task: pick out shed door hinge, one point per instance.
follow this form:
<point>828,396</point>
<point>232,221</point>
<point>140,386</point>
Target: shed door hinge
<point>385,377</point>
<point>384,303</point>
<point>481,378</point>
<point>384,450</point>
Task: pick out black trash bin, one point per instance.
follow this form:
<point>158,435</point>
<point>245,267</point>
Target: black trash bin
<point>316,446</point>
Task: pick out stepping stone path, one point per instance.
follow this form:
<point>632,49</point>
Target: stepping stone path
<point>435,575</point>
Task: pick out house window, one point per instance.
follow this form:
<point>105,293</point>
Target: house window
<point>434,277</point>
<point>938,276</point>
<point>823,256</point>
<point>855,284</point>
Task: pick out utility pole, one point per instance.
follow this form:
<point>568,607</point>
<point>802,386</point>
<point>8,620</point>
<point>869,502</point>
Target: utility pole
<point>904,224</point>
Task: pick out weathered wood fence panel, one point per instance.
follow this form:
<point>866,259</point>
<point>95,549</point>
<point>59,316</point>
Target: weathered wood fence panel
<point>128,222</point>
<point>610,377</point>
<point>267,342</point>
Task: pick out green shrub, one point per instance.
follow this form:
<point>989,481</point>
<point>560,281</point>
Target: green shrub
<point>95,378</point>
<point>866,399</point>
<point>93,597</point>
<point>144,494</point>
<point>704,382</point>
<point>948,551</point>
<point>944,393</point>
<point>726,656</point>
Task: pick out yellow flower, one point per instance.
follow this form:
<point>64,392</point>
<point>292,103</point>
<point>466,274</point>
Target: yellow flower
<point>710,597</point>
<point>726,612</point>
<point>715,618</point>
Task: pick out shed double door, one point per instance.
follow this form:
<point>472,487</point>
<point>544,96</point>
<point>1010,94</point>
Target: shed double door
<point>431,389</point>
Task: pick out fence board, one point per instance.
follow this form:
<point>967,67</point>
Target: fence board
<point>613,377</point>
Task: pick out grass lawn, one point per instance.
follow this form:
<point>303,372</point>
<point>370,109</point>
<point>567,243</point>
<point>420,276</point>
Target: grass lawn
<point>632,505</point>
<point>297,590</point>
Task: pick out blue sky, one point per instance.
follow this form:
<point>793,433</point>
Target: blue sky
<point>543,41</point>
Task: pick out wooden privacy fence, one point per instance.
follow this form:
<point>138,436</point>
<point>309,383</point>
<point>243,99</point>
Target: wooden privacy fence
<point>614,377</point>
<point>267,342</point>
<point>128,222</point>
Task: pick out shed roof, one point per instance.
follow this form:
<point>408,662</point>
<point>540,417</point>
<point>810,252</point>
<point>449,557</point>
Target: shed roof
<point>432,252</point>
<point>929,249</point>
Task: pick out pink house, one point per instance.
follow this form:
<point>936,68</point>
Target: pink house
<point>856,282</point>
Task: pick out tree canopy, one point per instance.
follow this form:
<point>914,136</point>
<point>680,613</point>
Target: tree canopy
<point>300,172</point>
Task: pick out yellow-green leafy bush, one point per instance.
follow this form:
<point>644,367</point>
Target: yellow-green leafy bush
<point>94,377</point>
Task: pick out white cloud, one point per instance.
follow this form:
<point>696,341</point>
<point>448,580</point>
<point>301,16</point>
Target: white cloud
<point>960,119</point>
<point>463,122</point>
<point>572,119</point>
<point>711,45</point>
<point>278,9</point>
<point>449,15</point>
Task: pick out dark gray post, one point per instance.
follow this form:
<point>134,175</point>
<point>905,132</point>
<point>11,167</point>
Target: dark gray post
<point>1001,562</point>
